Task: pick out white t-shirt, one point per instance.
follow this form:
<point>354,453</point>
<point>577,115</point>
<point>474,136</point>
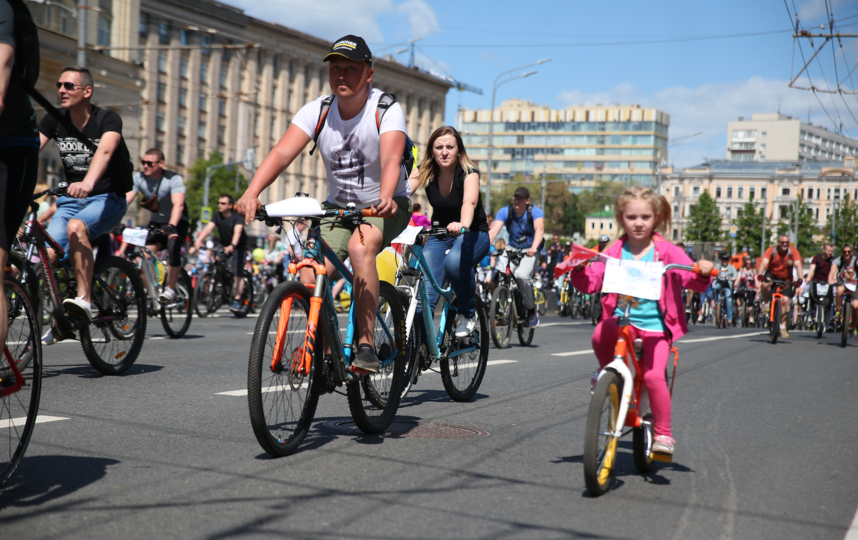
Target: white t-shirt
<point>350,150</point>
<point>293,238</point>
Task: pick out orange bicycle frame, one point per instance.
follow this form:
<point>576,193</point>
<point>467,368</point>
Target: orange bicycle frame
<point>302,357</point>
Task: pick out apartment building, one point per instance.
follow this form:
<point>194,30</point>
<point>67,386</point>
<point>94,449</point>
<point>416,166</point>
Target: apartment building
<point>599,223</point>
<point>621,143</point>
<point>775,137</point>
<point>821,184</point>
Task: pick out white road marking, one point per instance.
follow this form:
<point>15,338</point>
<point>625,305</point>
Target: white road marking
<point>852,532</point>
<point>239,393</point>
<point>574,353</point>
<point>590,351</point>
<point>40,419</point>
<point>546,325</point>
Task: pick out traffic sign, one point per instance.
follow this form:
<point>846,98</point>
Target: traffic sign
<point>206,214</point>
<point>733,231</point>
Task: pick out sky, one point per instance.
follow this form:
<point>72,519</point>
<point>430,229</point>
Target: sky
<point>703,63</point>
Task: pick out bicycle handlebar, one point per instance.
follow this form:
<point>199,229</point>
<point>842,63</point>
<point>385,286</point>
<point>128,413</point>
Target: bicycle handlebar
<point>262,215</point>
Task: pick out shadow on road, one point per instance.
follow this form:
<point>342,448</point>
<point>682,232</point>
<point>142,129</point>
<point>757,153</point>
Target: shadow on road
<point>417,396</point>
<point>42,479</point>
<point>89,372</point>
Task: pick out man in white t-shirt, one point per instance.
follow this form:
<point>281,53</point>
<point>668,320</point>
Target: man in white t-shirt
<point>363,161</point>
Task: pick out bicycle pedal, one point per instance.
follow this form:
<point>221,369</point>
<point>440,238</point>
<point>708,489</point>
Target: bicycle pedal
<point>661,456</point>
<point>359,371</point>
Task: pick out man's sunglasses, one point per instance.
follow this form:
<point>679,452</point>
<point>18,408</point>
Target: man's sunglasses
<point>148,163</point>
<point>847,252</point>
<point>69,86</point>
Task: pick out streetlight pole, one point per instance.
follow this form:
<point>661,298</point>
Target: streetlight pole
<point>495,87</point>
<point>81,33</point>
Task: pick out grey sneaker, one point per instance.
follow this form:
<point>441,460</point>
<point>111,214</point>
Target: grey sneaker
<point>534,319</point>
<point>466,326</point>
<point>366,359</point>
<point>78,306</point>
<point>168,296</point>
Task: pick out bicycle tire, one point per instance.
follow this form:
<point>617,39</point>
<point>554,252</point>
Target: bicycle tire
<point>282,402</point>
<point>23,336</point>
<point>118,339</point>
<point>246,299</point>
<point>412,345</point>
<point>596,312</point>
<point>32,287</point>
<point>500,315</point>
<point>846,311</point>
<point>525,333</point>
<point>745,322</point>
<point>177,319</point>
<point>539,299</point>
<point>604,408</point>
<point>374,398</point>
<point>775,323</point>
<point>642,438</point>
<point>462,375</point>
<point>202,292</point>
<point>820,321</point>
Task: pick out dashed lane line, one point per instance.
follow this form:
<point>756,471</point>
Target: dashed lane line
<point>17,422</point>
<point>548,325</point>
<point>590,351</point>
<point>239,393</point>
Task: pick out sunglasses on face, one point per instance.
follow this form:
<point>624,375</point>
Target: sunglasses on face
<point>69,86</point>
<point>223,203</point>
<point>148,163</point>
<point>847,253</point>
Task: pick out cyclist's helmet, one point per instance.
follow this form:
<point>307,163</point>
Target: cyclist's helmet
<point>604,239</point>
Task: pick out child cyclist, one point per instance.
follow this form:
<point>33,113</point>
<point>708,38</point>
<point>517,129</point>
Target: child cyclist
<point>642,215</point>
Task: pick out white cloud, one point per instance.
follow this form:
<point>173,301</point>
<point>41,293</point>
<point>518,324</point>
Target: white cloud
<point>708,108</point>
<point>813,11</point>
<point>331,19</point>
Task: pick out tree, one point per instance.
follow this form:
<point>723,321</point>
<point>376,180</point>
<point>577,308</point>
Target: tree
<point>704,221</point>
<point>807,228</point>
<point>749,229</point>
<point>845,222</point>
<point>221,183</point>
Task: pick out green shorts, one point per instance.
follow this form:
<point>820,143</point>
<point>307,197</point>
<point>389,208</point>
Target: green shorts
<point>338,237</point>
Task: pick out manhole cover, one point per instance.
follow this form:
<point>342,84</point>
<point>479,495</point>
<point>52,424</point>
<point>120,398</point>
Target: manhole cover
<point>422,430</point>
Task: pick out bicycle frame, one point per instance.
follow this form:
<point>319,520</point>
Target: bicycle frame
<point>777,294</point>
<point>147,264</point>
<point>19,379</point>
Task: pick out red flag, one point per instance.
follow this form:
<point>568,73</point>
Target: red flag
<point>579,255</point>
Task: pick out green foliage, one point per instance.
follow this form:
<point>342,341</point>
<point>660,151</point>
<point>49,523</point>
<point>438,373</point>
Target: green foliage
<point>221,183</point>
<point>807,228</point>
<point>591,243</point>
<point>704,221</point>
<point>845,222</point>
<point>749,228</point>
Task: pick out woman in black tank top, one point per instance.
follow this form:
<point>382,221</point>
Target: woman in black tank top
<point>452,185</point>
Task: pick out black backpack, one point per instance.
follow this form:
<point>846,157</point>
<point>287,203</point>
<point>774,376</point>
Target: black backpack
<point>409,155</point>
<point>509,215</point>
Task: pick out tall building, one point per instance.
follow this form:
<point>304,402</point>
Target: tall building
<point>775,137</point>
<point>201,96</point>
<point>776,184</point>
<point>621,143</point>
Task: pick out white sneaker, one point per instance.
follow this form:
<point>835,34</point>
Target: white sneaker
<point>49,338</point>
<point>79,306</point>
<point>168,296</point>
<point>466,326</point>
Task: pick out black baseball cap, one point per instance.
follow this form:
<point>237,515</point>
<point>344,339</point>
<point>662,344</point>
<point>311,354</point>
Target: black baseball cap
<point>351,47</point>
<point>522,192</point>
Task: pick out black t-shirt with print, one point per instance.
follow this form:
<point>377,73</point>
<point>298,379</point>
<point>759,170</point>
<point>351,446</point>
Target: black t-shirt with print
<point>446,210</point>
<point>76,156</point>
<point>226,228</point>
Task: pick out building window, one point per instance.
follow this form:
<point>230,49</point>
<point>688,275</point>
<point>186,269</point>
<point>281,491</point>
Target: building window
<point>763,193</point>
<point>729,192</point>
<point>205,43</point>
<point>201,130</point>
<point>164,33</point>
<point>162,62</point>
<point>183,68</point>
<point>728,212</point>
<point>183,97</point>
<point>180,123</point>
<point>675,191</point>
<point>816,216</point>
<point>718,192</point>
<point>221,133</point>
<point>202,103</point>
<point>162,90</point>
<point>204,73</point>
<point>180,155</point>
<point>828,194</point>
<point>601,225</point>
<point>592,226</point>
<point>222,78</point>
<point>751,193</point>
<point>159,122</point>
<point>675,210</point>
<point>103,30</point>
<point>782,212</point>
<point>695,191</point>
<point>675,234</point>
<point>741,193</point>
<point>786,191</point>
<point>837,194</point>
<point>610,225</point>
<point>183,37</point>
<point>221,106</point>
<point>763,147</point>
<point>763,136</point>
<point>143,25</point>
<point>275,67</point>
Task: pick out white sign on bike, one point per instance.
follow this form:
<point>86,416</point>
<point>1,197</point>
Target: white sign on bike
<point>408,236</point>
<point>135,237</point>
<point>851,284</point>
<point>822,289</point>
<point>633,278</point>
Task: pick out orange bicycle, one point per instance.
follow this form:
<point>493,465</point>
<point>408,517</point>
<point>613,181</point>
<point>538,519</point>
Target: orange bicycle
<point>619,401</point>
<point>779,287</point>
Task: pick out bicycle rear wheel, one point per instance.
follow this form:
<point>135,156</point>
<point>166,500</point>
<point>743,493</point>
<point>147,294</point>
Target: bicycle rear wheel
<point>18,409</point>
<point>281,400</point>
<point>202,294</point>
<point>114,338</point>
<point>176,318</point>
<point>412,345</point>
<point>374,398</point>
<point>846,311</point>
<point>463,374</point>
<point>539,298</point>
<point>501,316</point>
<point>600,443</point>
<point>775,323</point>
<point>525,333</point>
<point>246,299</point>
<point>820,318</point>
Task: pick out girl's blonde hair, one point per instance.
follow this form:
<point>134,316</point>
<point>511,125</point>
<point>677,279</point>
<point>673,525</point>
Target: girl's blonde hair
<point>659,204</point>
<point>429,170</point>
<point>500,244</point>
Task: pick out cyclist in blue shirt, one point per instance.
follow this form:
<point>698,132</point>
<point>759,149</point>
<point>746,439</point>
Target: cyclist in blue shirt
<point>526,226</point>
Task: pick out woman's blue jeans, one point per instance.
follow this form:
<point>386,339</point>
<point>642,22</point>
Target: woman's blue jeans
<point>457,266</point>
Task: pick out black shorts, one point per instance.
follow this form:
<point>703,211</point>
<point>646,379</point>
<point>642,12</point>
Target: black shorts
<point>175,255</point>
<point>19,166</point>
<point>239,259</point>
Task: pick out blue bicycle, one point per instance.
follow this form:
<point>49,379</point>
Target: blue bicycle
<point>462,360</point>
<point>288,369</point>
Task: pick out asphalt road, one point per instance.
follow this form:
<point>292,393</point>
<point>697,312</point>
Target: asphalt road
<point>767,447</point>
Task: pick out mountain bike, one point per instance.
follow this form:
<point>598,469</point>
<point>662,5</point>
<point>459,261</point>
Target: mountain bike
<point>779,287</point>
<point>565,297</point>
<point>462,361</point>
<point>288,369</point>
<point>619,400</point>
<point>820,300</point>
<point>112,340</point>
<point>175,316</point>
<point>506,308</point>
<point>20,376</point>
<point>214,287</point>
<point>596,310</point>
<point>844,322</point>
<point>580,305</point>
<point>539,297</point>
<point>721,303</point>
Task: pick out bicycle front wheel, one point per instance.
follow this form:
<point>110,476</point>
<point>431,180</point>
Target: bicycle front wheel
<point>501,316</point>
<point>282,400</point>
<point>114,338</point>
<point>642,438</point>
<point>463,374</point>
<point>18,410</point>
<point>246,299</point>
<point>600,443</point>
<point>775,322</point>
<point>820,324</point>
<point>846,311</point>
<point>412,345</point>
<point>202,295</point>
<point>176,317</point>
<point>374,398</point>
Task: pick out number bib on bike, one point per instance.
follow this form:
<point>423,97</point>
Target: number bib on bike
<point>633,278</point>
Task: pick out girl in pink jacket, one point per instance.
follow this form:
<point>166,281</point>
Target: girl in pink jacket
<point>642,215</point>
